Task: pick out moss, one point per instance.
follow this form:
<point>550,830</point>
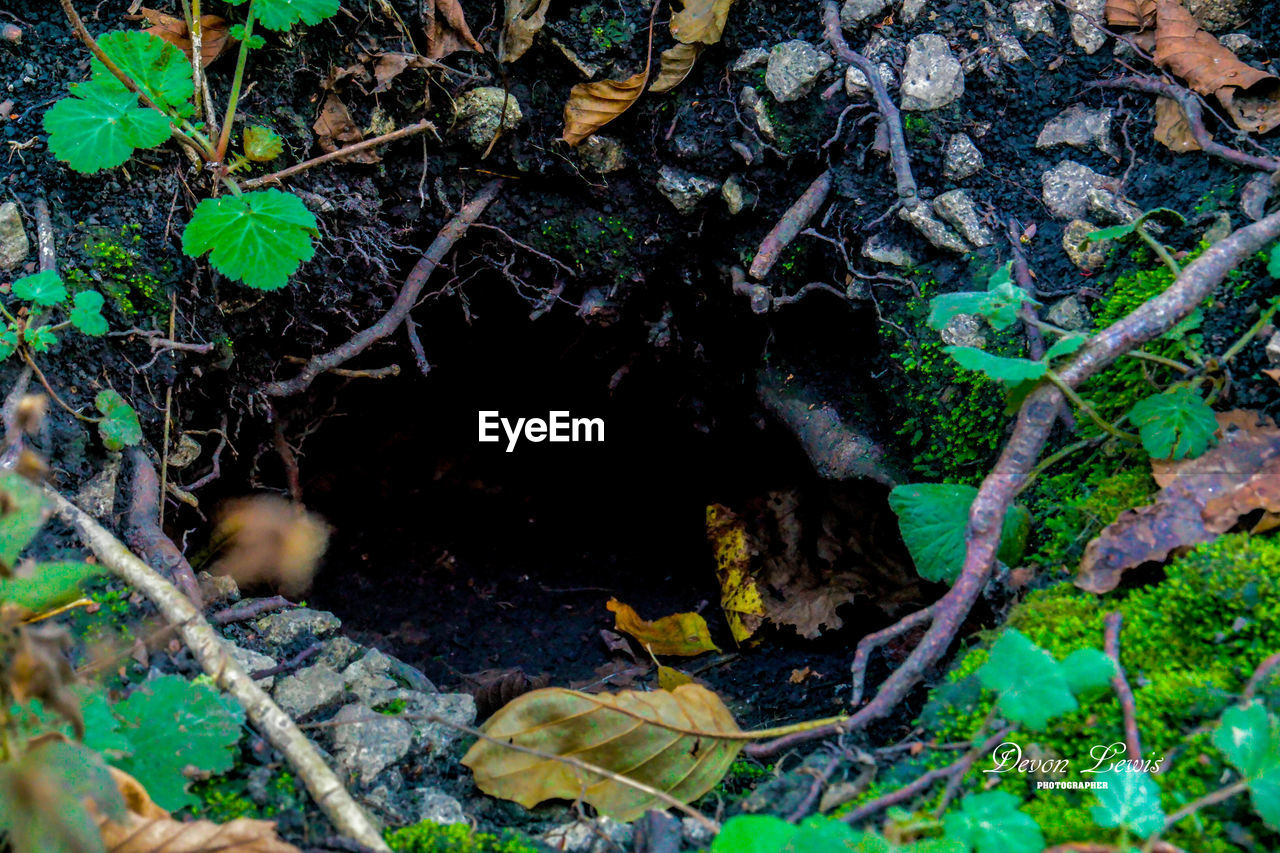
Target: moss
<point>592,242</point>
<point>225,798</point>
<point>119,269</point>
<point>427,837</point>
<point>395,706</point>
<point>1079,500</point>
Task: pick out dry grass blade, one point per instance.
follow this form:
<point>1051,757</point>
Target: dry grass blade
<point>674,64</point>
<point>523,20</point>
<point>700,21</point>
<point>666,740</point>
<point>1137,14</point>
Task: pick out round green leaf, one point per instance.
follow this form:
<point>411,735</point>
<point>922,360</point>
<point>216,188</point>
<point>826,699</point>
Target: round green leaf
<point>259,238</point>
<point>159,68</point>
<point>1177,424</point>
<point>932,518</point>
<point>99,127</point>
<point>1129,799</point>
<point>262,144</point>
<point>43,288</point>
<point>281,15</point>
<point>119,427</point>
<point>753,834</point>
<point>86,313</point>
<point>1031,685</point>
<point>991,823</point>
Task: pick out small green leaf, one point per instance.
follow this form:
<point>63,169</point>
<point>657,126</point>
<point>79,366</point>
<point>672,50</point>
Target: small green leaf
<point>1250,739</point>
<point>159,69</point>
<point>8,343</point>
<point>281,15</point>
<point>1087,669</point>
<point>932,518</point>
<point>1129,799</point>
<point>260,238</point>
<point>1115,232</point>
<point>753,834</point>
<point>992,823</point>
<point>47,586</point>
<point>25,514</point>
<point>39,338</point>
<point>86,313</point>
<point>1273,264</point>
<point>1177,424</point>
<point>262,144</point>
<point>998,367</point>
<point>1065,346</point>
<point>1005,302</point>
<point>43,288</point>
<point>254,41</point>
<point>946,307</point>
<point>999,305</point>
<point>119,427</point>
<point>1031,685</point>
<point>99,127</point>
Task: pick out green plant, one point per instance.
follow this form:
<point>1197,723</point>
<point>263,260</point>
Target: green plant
<point>139,94</point>
<point>932,518</point>
<point>428,837</point>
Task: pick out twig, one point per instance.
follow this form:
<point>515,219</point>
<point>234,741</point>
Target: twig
<point>248,610</point>
<point>364,145</point>
<point>31,364</point>
<point>1030,433</point>
<point>1264,669</point>
<point>211,651</point>
<point>812,287</point>
<point>415,344</point>
<point>216,471</point>
<point>145,534</point>
<point>290,665</point>
<point>790,225</point>
<point>404,302</point>
<point>1119,683</point>
<point>45,247</point>
<point>1211,799</point>
<point>871,642</point>
<point>568,270</point>
<point>820,779</point>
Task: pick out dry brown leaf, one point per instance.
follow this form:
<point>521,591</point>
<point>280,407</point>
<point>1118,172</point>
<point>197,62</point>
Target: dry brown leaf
<point>614,732</point>
<point>674,64</point>
<point>615,673</point>
<point>593,105</point>
<point>335,129</point>
<point>214,38</point>
<point>1200,498</point>
<point>700,21</point>
<point>1173,128</point>
<point>389,66</point>
<point>447,30</point>
<point>523,20</point>
<point>1135,14</point>
<point>267,539</point>
<point>493,688</point>
<point>680,634</point>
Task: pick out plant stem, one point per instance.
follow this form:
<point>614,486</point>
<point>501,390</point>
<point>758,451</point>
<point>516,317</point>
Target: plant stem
<point>1079,402</point>
<point>1252,333</point>
<point>1211,799</point>
<point>364,145</point>
<point>1159,359</point>
<point>192,11</point>
<point>234,100</point>
<point>78,27</point>
<point>1054,458</point>
<point>26,356</point>
<point>1161,252</point>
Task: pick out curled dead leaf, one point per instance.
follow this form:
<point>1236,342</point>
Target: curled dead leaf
<point>1173,128</point>
<point>447,30</point>
<point>593,105</point>
<point>674,64</point>
<point>522,21</point>
<point>493,688</point>
<point>1135,14</point>
<point>335,129</point>
<point>680,634</point>
<point>214,38</point>
<point>667,740</point>
<point>700,21</point>
<point>389,66</point>
<point>267,539</point>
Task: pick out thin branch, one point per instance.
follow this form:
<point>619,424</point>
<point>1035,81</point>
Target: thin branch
<point>415,344</point>
<point>364,145</point>
<point>1264,669</point>
<point>1211,799</point>
<point>249,609</point>
<point>45,247</point>
<point>1119,683</point>
<point>146,537</point>
<point>873,641</point>
<point>790,225</point>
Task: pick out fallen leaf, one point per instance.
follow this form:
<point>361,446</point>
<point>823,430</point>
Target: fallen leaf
<point>267,539</point>
<point>739,596</point>
<point>493,688</point>
<point>522,21</point>
<point>214,38</point>
<point>1200,498</point>
<point>669,678</point>
<point>800,676</point>
<point>335,129</point>
<point>700,21</point>
<point>593,105</point>
<point>617,643</point>
<point>615,673</point>
<point>447,30</point>
<point>680,634</point>
<point>674,64</point>
<point>1173,128</point>
<point>389,66</point>
<point>684,758</point>
<point>1137,14</point>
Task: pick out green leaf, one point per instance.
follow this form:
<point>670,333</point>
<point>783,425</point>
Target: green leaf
<point>1004,303</point>
<point>1031,685</point>
<point>262,144</point>
<point>753,834</point>
<point>999,305</point>
<point>281,15</point>
<point>39,338</point>
<point>998,367</point>
<point>101,728</point>
<point>1129,799</point>
<point>99,127</point>
<point>1087,669</point>
<point>86,313</point>
<point>47,586</point>
<point>1273,264</point>
<point>817,834</point>
<point>58,821</point>
<point>1115,232</point>
<point>25,512</point>
<point>946,307</point>
<point>992,823</point>
<point>160,69</point>
<point>43,288</point>
<point>1177,424</point>
<point>932,518</point>
<point>260,238</point>
<point>1250,739</point>
<point>173,724</point>
<point>8,343</point>
<point>1065,346</point>
<point>119,427</point>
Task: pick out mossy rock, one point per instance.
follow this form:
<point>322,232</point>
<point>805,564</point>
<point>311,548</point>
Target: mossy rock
<point>428,837</point>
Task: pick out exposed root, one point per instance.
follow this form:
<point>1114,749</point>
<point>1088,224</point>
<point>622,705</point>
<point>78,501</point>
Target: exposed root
<point>250,610</point>
<point>363,145</point>
<point>1120,684</point>
<point>147,538</point>
<point>871,642</point>
<point>790,225</point>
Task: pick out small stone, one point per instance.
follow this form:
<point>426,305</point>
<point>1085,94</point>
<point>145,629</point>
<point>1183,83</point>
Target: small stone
<point>1088,257</point>
<point>854,12</point>
<point>1080,127</point>
<point>932,77</point>
<point>218,589</point>
<point>592,835</point>
<point>1220,229</point>
<point>288,626</point>
<point>882,250</point>
<point>435,806</point>
<point>750,100</point>
<point>684,190</point>
<point>965,330</point>
<point>753,58</point>
<point>1086,34</point>
<point>98,496</point>
<point>695,833</point>
<point>794,68</point>
<point>369,676</point>
<point>14,244</point>
<point>922,219</point>
<point>251,662</point>
<point>736,196</point>
<point>1069,314</point>
<point>957,209</point>
<point>1255,195</point>
<point>961,158</point>
<point>1238,42</point>
<point>1106,207</point>
<point>1273,348</point>
<point>601,154</point>
<point>1218,15</point>
<point>339,652</point>
<point>856,84</point>
<point>309,690</point>
<point>1007,46</point>
<point>437,738</point>
<point>1032,17</point>
<point>1065,189</point>
<point>911,10</point>
<point>478,112</point>
<point>366,742</point>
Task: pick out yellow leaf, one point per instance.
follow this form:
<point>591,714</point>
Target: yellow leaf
<point>669,678</point>
<point>674,64</point>
<point>700,21</point>
<point>680,634</point>
<point>613,732</point>
<point>593,105</point>
<point>739,596</point>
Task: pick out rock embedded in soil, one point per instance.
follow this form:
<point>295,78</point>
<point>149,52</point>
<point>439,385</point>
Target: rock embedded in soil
<point>854,12</point>
<point>1106,207</point>
<point>1238,43</point>
<point>1065,189</point>
<point>1007,46</point>
<point>1069,313</point>
<point>961,158</point>
<point>736,196</point>
<point>794,68</point>
<point>1080,127</point>
<point>479,111</point>
<point>938,233</point>
<point>911,10</point>
<point>434,805</point>
<point>1220,229</point>
<point>338,652</point>
<point>749,99</point>
<point>1273,348</point>
<point>752,58</point>
<point>957,209</point>
<point>965,330</point>
<point>251,662</point>
<point>1033,17</point>
<point>365,742</point>
<point>309,690</point>
<point>590,835</point>
<point>369,676</point>
<point>856,83</point>
<point>932,77</point>
<point>287,627</point>
<point>1218,15</point>
<point>883,250</point>
<point>602,154</point>
<point>1088,257</point>
<point>685,190</point>
<point>456,708</point>
<point>14,245</point>
<point>1086,32</point>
